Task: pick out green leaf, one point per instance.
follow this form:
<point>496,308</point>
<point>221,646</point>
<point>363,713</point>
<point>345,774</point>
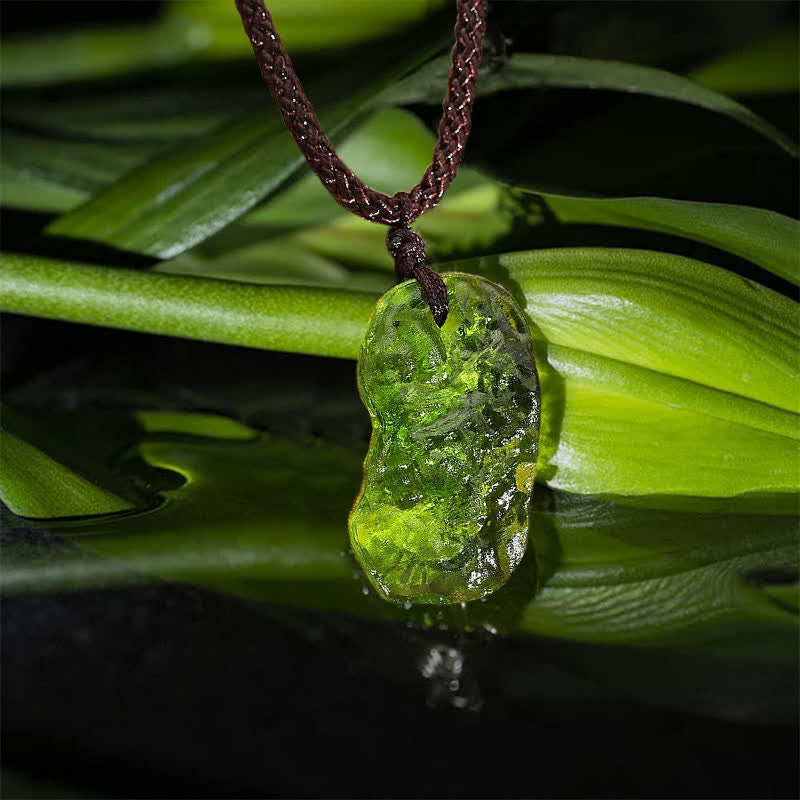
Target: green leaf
<point>54,470</point>
<point>389,151</point>
<point>196,188</point>
<point>465,222</point>
<point>34,485</point>
<point>621,430</point>
<point>661,376</point>
<point>68,168</point>
<point>162,113</point>
<point>528,71</point>
<point>349,252</point>
<point>306,25</point>
<point>767,66</point>
<point>188,31</point>
<point>633,576</point>
<point>283,261</point>
<point>210,425</point>
<point>764,237</point>
<point>643,34</point>
<point>21,189</point>
<point>189,192</point>
<point>40,59</point>
<point>586,127</point>
<point>662,312</point>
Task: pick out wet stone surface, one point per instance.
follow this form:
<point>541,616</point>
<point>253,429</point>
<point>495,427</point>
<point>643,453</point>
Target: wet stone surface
<point>443,512</point>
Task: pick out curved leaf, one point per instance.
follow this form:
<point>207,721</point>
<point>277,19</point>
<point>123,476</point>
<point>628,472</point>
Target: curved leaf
<point>389,151</point>
<point>528,71</point>
<point>616,429</point>
<point>41,59</point>
<point>764,237</point>
<point>21,189</point>
<point>306,25</point>
<point>585,127</point>
<point>662,312</point>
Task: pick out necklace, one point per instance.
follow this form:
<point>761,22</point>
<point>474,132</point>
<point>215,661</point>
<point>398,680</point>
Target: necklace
<point>443,512</point>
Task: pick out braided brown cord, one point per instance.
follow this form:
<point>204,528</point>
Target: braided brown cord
<point>401,209</point>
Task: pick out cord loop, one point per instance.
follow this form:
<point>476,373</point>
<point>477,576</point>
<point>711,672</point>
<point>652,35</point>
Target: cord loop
<point>401,209</point>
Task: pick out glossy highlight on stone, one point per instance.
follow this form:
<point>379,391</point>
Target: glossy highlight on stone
<point>442,516</point>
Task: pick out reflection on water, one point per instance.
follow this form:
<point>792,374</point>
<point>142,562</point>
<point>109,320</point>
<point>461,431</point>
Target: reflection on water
<point>655,604</point>
<point>450,681</point>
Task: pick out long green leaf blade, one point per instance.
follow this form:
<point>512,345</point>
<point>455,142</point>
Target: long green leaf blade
<point>528,70</point>
<point>764,237</point>
<point>84,166</point>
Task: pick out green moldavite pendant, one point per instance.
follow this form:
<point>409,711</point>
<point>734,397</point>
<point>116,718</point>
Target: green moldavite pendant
<point>442,516</point>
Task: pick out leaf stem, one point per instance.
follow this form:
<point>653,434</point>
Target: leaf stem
<point>324,322</point>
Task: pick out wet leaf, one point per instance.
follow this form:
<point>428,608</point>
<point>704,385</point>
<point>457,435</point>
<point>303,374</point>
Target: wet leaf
<point>630,575</point>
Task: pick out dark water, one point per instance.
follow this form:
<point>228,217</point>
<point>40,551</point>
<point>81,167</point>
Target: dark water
<point>171,691</point>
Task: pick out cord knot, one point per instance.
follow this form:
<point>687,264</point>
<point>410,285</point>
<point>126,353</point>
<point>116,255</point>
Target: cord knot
<point>408,251</point>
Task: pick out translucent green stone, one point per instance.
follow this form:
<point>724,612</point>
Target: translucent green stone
<point>442,516</point>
